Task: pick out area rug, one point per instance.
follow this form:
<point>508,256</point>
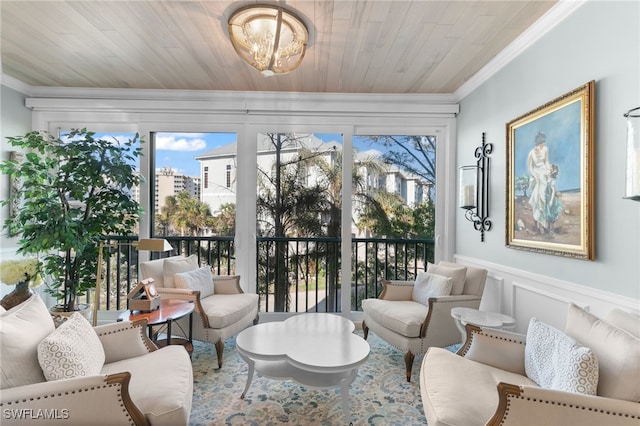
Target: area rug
<point>380,394</point>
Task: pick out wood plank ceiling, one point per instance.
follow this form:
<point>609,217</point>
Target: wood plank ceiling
<point>364,46</point>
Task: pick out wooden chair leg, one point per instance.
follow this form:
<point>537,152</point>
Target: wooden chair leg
<point>365,330</point>
<point>219,350</point>
<point>408,360</point>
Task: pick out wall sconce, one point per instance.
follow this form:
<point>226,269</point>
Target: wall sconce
<point>632,187</point>
<point>144,244</point>
<point>473,189</point>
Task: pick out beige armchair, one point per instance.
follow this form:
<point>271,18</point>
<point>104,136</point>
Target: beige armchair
<point>137,384</point>
<point>413,327</point>
<point>486,382</point>
<point>219,314</point>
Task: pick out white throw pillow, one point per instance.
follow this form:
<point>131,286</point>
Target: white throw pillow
<point>21,329</point>
<point>618,353</point>
<point>72,350</point>
<point>430,285</point>
<point>175,265</point>
<point>199,279</point>
<point>556,361</point>
<point>457,274</point>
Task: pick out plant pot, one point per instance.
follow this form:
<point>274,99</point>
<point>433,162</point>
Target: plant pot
<point>19,294</point>
<point>60,316</point>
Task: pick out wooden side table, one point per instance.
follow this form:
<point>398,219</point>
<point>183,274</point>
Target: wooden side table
<point>168,312</point>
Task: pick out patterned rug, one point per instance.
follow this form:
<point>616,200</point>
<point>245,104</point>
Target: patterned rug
<point>380,394</point>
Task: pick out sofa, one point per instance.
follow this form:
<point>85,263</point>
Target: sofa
<point>222,309</point>
<point>587,374</point>
<point>78,374</point>
<point>412,323</point>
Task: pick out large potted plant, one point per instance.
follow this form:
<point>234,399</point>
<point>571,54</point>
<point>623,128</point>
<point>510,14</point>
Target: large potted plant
<point>68,193</point>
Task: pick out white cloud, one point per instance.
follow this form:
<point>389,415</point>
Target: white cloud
<point>172,142</point>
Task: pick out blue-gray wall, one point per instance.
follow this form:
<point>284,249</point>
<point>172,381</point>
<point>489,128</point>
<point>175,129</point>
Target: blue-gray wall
<point>15,118</point>
<point>600,41</point>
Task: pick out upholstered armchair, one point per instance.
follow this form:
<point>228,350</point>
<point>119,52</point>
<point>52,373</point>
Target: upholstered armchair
<point>413,327</point>
<point>79,375</point>
<point>494,378</point>
<point>222,309</point>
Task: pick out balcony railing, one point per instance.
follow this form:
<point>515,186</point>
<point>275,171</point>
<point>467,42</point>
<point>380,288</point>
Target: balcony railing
<point>294,274</point>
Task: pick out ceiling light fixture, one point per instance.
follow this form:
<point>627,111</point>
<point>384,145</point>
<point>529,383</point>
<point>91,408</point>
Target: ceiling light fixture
<point>269,38</point>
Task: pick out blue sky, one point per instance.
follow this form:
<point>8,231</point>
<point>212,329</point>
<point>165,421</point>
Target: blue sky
<point>177,150</point>
<point>562,128</point>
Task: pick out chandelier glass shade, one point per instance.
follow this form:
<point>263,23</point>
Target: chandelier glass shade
<point>268,38</point>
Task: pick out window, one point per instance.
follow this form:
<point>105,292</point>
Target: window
<point>194,194</point>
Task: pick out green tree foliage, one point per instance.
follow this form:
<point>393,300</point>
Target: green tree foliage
<point>183,215</point>
<point>71,193</point>
<point>414,154</point>
<point>224,221</point>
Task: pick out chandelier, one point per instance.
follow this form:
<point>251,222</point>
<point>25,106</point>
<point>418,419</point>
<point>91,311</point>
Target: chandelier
<point>268,38</point>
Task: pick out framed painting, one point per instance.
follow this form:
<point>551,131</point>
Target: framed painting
<point>550,155</point>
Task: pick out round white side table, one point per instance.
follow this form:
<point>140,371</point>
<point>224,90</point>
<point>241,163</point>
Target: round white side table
<point>464,316</point>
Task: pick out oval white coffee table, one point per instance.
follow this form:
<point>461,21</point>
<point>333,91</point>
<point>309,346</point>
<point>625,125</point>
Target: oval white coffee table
<point>314,349</point>
<point>464,316</point>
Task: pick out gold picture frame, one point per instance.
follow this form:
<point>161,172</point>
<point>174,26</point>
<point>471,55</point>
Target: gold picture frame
<point>550,177</point>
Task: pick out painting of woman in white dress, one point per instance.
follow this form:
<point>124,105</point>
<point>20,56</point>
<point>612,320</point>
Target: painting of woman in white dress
<point>549,175</point>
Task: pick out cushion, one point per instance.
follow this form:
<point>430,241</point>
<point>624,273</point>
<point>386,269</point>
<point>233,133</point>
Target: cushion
<point>430,285</point>
<point>556,361</point>
<point>442,376</point>
<point>397,290</point>
<point>227,284</point>
<point>474,280</point>
<point>175,265</point>
<point>21,329</point>
<point>618,353</point>
<point>161,384</point>
<point>227,309</point>
<point>153,269</point>
<point>72,350</point>
<point>624,320</point>
<point>199,279</point>
<point>458,275</point>
<point>403,317</point>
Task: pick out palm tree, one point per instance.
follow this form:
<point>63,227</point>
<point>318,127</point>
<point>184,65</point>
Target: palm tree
<point>330,172</point>
<point>286,207</point>
<point>224,222</point>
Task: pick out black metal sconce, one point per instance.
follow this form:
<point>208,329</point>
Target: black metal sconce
<point>632,178</point>
<point>473,189</point>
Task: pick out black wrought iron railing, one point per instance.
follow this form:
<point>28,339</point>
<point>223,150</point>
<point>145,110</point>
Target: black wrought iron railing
<point>293,274</point>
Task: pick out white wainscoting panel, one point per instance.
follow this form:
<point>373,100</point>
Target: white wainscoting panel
<point>524,295</point>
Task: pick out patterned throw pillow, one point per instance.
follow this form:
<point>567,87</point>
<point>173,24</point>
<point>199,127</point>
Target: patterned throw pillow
<point>72,350</point>
<point>556,361</point>
<point>200,280</point>
<point>430,285</point>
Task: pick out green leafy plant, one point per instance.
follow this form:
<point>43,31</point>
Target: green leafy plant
<point>70,193</point>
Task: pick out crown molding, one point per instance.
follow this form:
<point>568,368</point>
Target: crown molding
<point>542,26</point>
<point>262,103</point>
<point>15,84</point>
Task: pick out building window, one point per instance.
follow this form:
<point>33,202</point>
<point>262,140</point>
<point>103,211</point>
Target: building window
<point>228,175</point>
